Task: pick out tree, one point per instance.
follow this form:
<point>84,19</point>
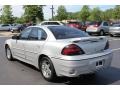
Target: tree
<point>107,15</point>
<point>84,13</point>
<point>116,13</point>
<point>20,20</point>
<point>61,13</point>
<point>95,15</point>
<point>33,13</point>
<point>7,17</point>
<point>72,15</point>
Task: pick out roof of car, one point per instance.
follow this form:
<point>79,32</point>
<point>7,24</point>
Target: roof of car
<point>44,26</point>
<point>50,21</point>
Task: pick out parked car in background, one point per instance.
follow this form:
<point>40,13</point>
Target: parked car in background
<point>17,28</point>
<point>5,27</point>
<point>85,25</point>
<point>52,23</point>
<point>114,30</point>
<point>59,51</point>
<point>75,24</point>
<point>101,28</point>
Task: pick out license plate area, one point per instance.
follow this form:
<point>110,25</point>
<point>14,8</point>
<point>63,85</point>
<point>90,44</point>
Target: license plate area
<point>100,63</point>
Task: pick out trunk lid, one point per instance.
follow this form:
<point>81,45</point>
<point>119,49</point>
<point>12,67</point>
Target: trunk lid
<point>90,45</point>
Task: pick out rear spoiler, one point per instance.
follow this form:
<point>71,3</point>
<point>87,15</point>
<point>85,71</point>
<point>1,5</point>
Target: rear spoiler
<point>91,39</point>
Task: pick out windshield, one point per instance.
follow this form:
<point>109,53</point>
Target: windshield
<point>116,25</point>
<point>64,32</point>
<point>95,23</point>
<point>73,23</point>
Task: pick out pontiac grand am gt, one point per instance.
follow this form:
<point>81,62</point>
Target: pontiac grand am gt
<point>59,51</point>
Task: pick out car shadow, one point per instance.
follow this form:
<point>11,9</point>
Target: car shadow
<point>27,65</point>
<point>104,77</point>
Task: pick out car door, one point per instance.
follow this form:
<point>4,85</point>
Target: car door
<point>18,45</point>
<point>105,26</point>
<point>5,27</point>
<point>34,46</point>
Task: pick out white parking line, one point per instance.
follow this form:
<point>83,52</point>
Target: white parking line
<point>5,36</point>
<point>116,49</point>
<point>114,39</point>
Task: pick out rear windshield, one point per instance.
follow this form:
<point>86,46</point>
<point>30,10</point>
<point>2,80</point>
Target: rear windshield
<point>94,23</point>
<point>73,23</point>
<point>64,32</point>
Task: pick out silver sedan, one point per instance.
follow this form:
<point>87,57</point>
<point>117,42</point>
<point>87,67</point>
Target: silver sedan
<point>59,51</point>
<point>114,30</point>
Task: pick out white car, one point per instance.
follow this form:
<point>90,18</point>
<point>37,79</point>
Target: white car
<point>51,23</point>
<point>5,27</point>
<point>101,28</point>
<point>59,51</point>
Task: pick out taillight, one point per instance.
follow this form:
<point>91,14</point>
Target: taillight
<point>72,49</point>
<point>95,25</point>
<point>77,25</point>
<point>107,45</point>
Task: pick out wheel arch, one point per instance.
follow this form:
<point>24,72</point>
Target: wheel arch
<point>6,45</point>
<point>39,59</point>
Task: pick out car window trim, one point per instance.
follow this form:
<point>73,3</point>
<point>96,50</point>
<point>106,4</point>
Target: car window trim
<point>24,31</point>
<point>37,34</point>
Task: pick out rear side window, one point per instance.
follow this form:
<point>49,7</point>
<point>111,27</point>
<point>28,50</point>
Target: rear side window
<point>105,24</point>
<point>116,25</point>
<point>64,32</point>
<point>95,23</point>
<point>5,25</point>
<point>73,22</point>
<point>50,23</point>
<point>45,23</point>
<point>53,23</point>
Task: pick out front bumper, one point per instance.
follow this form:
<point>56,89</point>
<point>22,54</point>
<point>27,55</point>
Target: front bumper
<point>74,68</point>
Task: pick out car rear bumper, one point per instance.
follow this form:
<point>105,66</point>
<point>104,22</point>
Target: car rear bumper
<point>115,33</point>
<point>74,68</point>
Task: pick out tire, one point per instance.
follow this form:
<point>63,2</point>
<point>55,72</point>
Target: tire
<point>47,69</point>
<point>111,35</point>
<point>90,34</point>
<point>8,53</point>
<point>102,33</point>
<point>13,31</point>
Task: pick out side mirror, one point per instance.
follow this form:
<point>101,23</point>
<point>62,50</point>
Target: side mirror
<point>15,37</point>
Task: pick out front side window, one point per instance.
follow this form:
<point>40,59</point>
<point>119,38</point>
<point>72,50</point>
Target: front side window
<point>5,25</point>
<point>24,34</point>
<point>34,34</point>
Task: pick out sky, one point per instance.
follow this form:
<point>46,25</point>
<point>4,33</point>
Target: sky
<point>18,11</point>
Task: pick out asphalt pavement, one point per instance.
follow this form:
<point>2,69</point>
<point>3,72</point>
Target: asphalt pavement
<point>19,73</point>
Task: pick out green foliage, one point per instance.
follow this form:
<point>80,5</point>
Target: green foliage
<point>107,15</point>
<point>84,13</point>
<point>7,17</point>
<point>33,13</point>
<point>20,20</point>
<point>62,13</point>
<point>116,13</point>
<point>95,14</point>
<point>73,15</point>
